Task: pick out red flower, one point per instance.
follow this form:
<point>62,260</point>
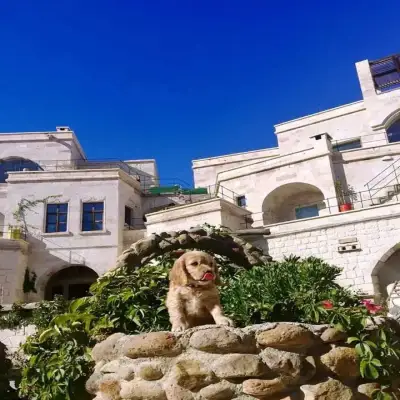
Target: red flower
<point>327,304</point>
<point>371,307</point>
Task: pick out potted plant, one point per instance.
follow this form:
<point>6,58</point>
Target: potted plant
<point>14,232</point>
<point>345,196</point>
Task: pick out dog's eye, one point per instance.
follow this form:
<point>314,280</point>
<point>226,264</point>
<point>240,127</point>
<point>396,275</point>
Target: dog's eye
<point>195,263</point>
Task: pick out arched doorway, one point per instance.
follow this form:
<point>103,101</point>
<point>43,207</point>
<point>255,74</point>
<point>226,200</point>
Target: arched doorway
<point>292,201</point>
<point>71,282</point>
<point>386,273</point>
<point>393,132</point>
<point>13,164</point>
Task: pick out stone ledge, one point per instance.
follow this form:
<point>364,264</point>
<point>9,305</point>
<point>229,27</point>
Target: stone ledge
<point>216,363</point>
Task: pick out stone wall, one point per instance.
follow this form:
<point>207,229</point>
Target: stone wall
<point>13,338</point>
<point>215,363</point>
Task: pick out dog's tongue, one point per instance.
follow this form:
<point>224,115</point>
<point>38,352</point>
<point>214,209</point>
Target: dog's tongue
<point>208,276</point>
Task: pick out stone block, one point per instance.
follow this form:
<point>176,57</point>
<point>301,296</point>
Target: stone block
<point>286,337</point>
<point>151,345</point>
<point>332,335</point>
<point>239,366</point>
<point>192,374</point>
<point>221,340</point>
<point>223,390</point>
<point>328,390</point>
<point>262,387</point>
<point>142,390</point>
<point>150,371</point>
<point>343,362</point>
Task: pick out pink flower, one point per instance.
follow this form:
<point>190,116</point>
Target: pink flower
<point>371,307</point>
<point>327,304</point>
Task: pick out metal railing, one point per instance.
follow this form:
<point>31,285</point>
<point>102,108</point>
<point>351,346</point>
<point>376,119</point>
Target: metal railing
<point>328,206</point>
<point>387,177</point>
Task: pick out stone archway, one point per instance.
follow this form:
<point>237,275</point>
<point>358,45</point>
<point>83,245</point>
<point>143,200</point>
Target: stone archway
<point>71,282</point>
<point>386,272</point>
<point>222,243</point>
<point>292,201</point>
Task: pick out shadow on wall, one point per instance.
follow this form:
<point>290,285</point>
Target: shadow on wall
<point>50,262</point>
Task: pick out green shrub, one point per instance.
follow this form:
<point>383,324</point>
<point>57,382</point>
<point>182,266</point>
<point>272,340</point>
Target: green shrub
<point>290,290</point>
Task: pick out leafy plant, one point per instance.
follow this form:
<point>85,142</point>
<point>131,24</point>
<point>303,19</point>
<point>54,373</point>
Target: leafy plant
<point>291,290</point>
<point>345,194</point>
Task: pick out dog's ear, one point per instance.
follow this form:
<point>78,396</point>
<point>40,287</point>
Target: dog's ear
<point>217,279</point>
<point>178,274</point>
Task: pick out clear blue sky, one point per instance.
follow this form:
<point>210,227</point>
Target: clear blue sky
<point>179,80</point>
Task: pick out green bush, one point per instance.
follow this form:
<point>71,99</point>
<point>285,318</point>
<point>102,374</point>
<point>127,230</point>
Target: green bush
<point>290,290</point>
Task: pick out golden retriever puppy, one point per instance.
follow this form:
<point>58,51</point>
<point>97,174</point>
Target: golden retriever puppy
<point>193,297</point>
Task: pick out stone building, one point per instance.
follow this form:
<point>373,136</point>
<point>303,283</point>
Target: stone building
<point>330,189</point>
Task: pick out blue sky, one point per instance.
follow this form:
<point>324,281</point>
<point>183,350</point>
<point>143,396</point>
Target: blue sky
<point>179,80</point>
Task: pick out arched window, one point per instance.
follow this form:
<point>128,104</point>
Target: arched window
<point>393,132</point>
<point>16,164</point>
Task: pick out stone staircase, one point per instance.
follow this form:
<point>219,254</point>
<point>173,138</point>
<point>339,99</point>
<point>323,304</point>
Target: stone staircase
<point>386,194</point>
<point>385,186</point>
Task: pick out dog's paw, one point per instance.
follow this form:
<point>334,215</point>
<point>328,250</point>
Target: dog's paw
<point>179,328</point>
<point>224,321</point>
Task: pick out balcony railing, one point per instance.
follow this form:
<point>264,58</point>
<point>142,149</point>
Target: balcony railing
<point>328,206</point>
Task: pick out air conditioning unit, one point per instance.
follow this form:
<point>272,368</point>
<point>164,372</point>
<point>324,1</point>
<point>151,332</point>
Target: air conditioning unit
<point>63,129</point>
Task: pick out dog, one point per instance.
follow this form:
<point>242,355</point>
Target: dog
<point>193,297</point>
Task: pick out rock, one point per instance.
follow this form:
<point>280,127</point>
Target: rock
<point>151,345</point>
<point>221,340</point>
<point>150,372</point>
<point>367,389</point>
<point>142,390</point>
<point>332,335</point>
<point>175,392</point>
<point>191,374</point>
<point>263,387</point>
<point>105,350</point>
<point>239,366</point>
<point>328,390</point>
<point>121,368</point>
<point>110,388</point>
<point>198,230</point>
<point>292,366</point>
<point>146,246</point>
<point>223,390</point>
<point>342,361</point>
<point>286,337</point>
<point>92,384</point>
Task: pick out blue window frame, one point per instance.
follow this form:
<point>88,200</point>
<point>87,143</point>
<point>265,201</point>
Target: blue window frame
<point>307,212</point>
<point>56,217</point>
<point>92,216</point>
<point>354,144</point>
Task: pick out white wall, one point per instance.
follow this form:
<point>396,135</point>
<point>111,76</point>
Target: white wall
<point>206,169</point>
<point>13,263</point>
<point>51,252</point>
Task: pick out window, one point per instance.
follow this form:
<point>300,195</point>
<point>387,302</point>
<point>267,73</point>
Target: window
<point>56,218</point>
<point>241,201</point>
<point>128,216</point>
<point>354,144</point>
<point>307,212</point>
<point>16,164</point>
<point>92,217</point>
<point>386,73</point>
<point>393,132</point>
